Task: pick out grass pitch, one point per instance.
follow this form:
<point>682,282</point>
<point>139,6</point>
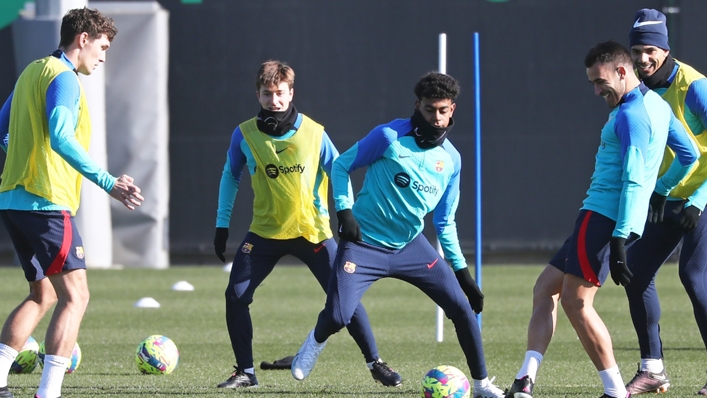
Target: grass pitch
<point>285,310</point>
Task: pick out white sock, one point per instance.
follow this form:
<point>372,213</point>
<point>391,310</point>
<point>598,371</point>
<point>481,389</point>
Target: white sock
<point>530,365</point>
<point>652,365</point>
<point>52,376</point>
<point>613,383</point>
<point>7,357</point>
<point>250,371</point>
<point>483,383</point>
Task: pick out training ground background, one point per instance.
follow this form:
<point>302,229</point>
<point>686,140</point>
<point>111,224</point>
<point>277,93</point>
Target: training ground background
<point>357,62</point>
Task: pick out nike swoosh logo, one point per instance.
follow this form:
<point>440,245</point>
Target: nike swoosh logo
<point>432,264</point>
<point>318,248</point>
<point>644,23</point>
<point>281,150</point>
<point>403,156</point>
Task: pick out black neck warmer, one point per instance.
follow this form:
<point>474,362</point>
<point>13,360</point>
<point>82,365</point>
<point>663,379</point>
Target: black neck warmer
<point>660,78</point>
<point>277,123</point>
<point>426,135</point>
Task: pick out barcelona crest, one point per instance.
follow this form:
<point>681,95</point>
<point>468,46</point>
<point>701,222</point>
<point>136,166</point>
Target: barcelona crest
<point>247,247</point>
<point>350,267</point>
<point>439,166</point>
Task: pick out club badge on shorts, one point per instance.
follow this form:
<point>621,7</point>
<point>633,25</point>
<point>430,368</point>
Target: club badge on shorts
<point>247,247</point>
<point>79,252</point>
<point>350,267</point>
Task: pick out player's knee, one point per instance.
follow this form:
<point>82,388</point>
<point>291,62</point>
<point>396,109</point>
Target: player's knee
<point>78,298</point>
<point>635,289</point>
<point>572,304</point>
<point>458,311</point>
<point>233,298</point>
<point>542,290</point>
<point>545,299</point>
<point>689,279</point>
<point>336,323</point>
<point>43,295</point>
<point>333,322</point>
<point>547,288</point>
<point>44,301</point>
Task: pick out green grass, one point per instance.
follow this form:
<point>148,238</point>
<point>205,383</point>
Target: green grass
<point>285,309</point>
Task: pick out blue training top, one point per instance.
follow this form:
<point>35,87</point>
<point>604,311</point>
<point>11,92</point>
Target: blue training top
<point>632,144</point>
<point>403,183</point>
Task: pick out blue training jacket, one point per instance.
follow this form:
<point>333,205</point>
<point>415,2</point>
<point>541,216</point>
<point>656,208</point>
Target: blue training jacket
<point>403,183</point>
<point>633,141</point>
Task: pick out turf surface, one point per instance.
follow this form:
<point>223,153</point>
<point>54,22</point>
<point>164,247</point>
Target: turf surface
<point>285,309</point>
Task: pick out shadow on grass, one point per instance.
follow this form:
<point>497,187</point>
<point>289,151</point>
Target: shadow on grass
<point>210,391</point>
<point>664,348</point>
<point>77,391</point>
<point>340,393</point>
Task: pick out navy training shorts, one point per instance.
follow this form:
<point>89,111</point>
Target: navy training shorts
<point>584,254</point>
<point>47,242</point>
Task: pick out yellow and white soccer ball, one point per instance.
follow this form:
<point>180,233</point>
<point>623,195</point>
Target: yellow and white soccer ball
<point>445,382</point>
<point>74,361</point>
<point>27,358</point>
<point>157,354</point>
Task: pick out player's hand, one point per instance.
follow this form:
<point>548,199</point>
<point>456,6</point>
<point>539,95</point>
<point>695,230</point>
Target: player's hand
<point>471,289</point>
<point>690,217</point>
<point>126,192</point>
<point>620,273</point>
<point>348,226</point>
<point>656,207</point>
<point>220,243</point>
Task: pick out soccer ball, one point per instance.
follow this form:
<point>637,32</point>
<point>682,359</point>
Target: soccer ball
<point>74,361</point>
<point>445,382</point>
<point>27,358</point>
<point>157,355</point>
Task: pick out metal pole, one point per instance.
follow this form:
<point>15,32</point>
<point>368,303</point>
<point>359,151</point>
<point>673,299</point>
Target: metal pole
<point>477,102</point>
<point>442,68</point>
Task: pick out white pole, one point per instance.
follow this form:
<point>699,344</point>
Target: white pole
<point>442,69</point>
<point>443,53</point>
<point>440,313</point>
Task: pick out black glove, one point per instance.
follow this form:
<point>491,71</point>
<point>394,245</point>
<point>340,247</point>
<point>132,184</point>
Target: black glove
<point>471,289</point>
<point>690,217</point>
<point>348,226</point>
<point>220,243</point>
<point>620,273</point>
<point>656,207</point>
<point>284,363</point>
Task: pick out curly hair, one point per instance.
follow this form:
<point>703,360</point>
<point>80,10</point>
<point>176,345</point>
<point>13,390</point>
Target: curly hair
<point>437,85</point>
<point>87,20</point>
<point>608,52</point>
